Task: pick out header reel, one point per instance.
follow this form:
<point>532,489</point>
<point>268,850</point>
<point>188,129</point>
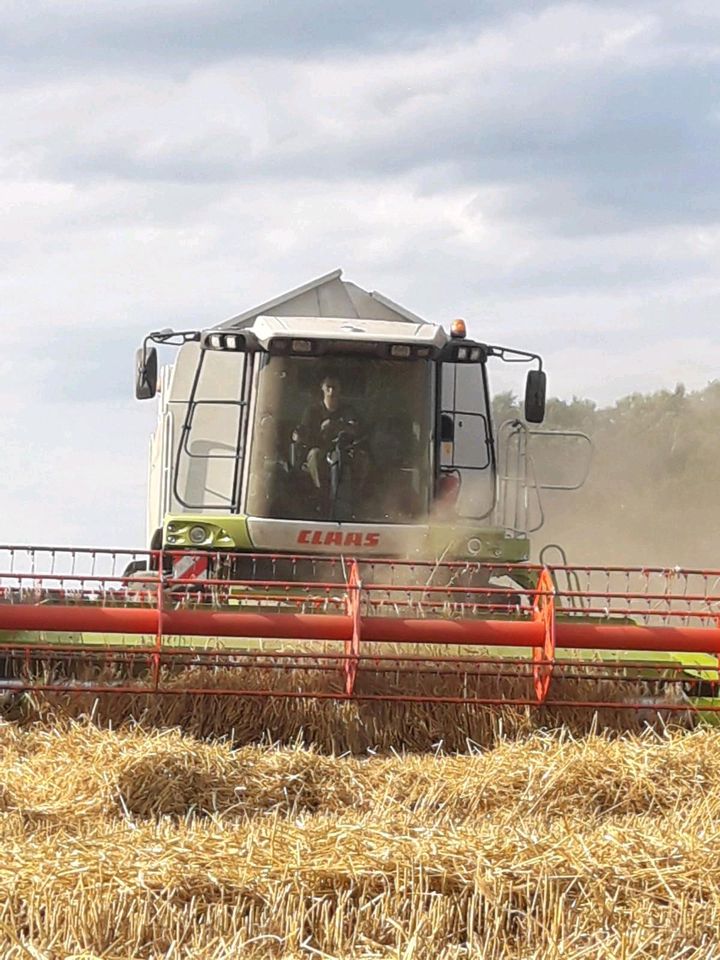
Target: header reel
<point>164,623</point>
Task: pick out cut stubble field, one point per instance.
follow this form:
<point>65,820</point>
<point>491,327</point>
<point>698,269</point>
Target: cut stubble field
<point>142,842</point>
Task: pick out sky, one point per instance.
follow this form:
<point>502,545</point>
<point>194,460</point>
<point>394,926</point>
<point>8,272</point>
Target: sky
<point>546,170</point>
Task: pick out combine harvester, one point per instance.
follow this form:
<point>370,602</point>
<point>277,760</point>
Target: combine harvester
<point>333,514</point>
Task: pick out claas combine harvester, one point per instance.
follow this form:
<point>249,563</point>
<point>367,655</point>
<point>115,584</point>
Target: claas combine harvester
<point>333,513</point>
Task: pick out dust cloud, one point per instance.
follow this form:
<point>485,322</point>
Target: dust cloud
<point>653,491</point>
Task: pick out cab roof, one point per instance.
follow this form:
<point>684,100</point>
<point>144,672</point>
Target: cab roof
<point>328,297</point>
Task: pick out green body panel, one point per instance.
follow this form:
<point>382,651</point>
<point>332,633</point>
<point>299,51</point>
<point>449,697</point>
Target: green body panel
<point>223,532</point>
<point>449,542</point>
<point>710,717</point>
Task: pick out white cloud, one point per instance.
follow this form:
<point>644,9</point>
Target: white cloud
<point>549,173</point>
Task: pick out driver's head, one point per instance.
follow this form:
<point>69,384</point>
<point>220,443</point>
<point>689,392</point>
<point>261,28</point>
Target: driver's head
<point>331,392</point>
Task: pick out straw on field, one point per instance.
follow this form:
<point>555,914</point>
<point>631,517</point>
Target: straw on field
<point>146,844</point>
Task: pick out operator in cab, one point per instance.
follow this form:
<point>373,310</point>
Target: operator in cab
<point>326,423</point>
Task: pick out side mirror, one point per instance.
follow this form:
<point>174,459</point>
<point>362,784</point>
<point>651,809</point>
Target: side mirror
<point>146,373</point>
<point>535,386</point>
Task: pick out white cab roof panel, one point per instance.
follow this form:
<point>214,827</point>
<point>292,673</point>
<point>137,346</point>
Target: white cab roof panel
<point>341,328</point>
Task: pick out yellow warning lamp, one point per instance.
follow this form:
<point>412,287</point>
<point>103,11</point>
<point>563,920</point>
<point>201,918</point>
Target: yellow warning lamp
<point>457,329</point>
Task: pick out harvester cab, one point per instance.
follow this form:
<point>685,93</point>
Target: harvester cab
<point>333,421</point>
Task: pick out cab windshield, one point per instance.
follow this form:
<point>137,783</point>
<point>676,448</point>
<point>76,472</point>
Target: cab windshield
<point>348,440</point>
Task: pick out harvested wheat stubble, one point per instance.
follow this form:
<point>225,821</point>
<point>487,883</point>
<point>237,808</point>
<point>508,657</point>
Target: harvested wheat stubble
<point>149,844</point>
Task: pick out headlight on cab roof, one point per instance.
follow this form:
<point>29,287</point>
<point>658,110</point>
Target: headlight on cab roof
<point>224,341</point>
<point>400,350</point>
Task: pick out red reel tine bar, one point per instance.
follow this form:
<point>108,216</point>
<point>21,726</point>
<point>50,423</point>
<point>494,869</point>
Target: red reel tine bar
<point>106,621</point>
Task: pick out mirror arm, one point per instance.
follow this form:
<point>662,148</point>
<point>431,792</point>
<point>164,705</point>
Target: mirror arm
<point>145,349</point>
<point>511,355</point>
<point>173,338</point>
